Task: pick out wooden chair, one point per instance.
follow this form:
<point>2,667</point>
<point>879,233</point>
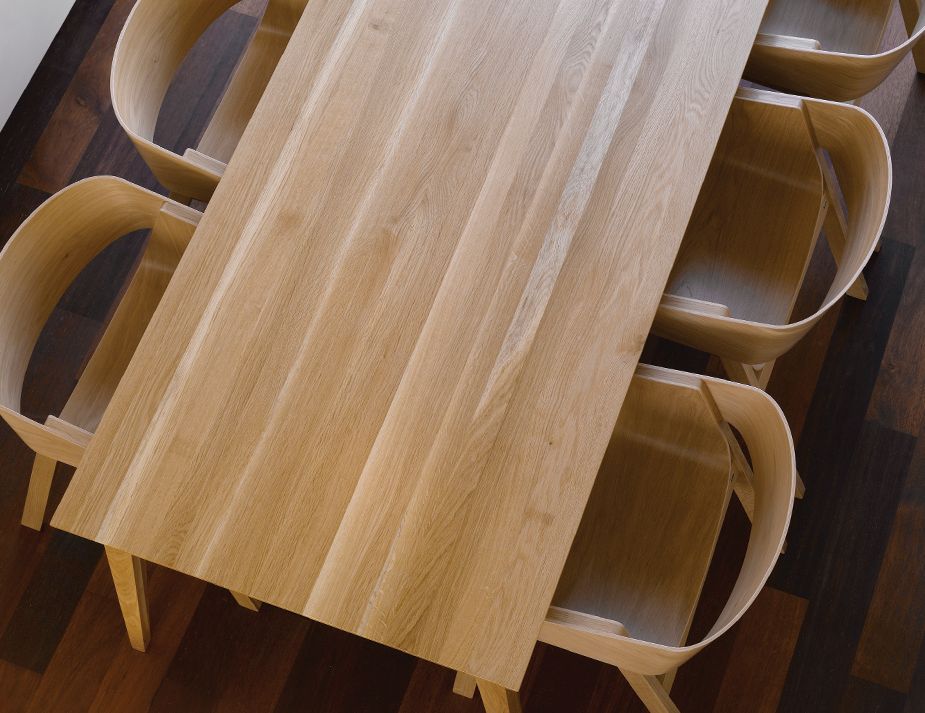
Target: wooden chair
<point>37,265</point>
<point>156,38</point>
<point>784,166</point>
<point>829,48</point>
<point>633,578</point>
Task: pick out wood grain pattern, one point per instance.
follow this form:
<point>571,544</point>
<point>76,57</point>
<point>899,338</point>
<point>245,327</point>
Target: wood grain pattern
<point>566,149</point>
<point>895,626</point>
<point>343,673</point>
<point>840,596</point>
<point>902,370</point>
<point>129,575</point>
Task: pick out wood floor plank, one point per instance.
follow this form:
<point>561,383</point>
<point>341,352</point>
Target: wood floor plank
<point>132,679</point>
<point>336,672</point>
<point>78,114</point>
<point>906,220</point>
<point>47,86</point>
<point>17,685</point>
<point>903,371</point>
<point>230,658</point>
<point>77,33</point>
<point>841,584</point>
<point>612,694</point>
<point>82,657</point>
<point>27,121</point>
<point>563,681</point>
<point>865,697</point>
<point>46,606</point>
<point>894,630</point>
<point>836,416</point>
<point>915,699</point>
<point>18,204</point>
<point>764,644</point>
<point>431,689</point>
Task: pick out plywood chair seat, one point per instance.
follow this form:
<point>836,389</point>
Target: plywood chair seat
<point>648,532</point>
<point>784,167</point>
<point>37,265</point>
<point>154,42</point>
<point>829,48</point>
<point>634,575</point>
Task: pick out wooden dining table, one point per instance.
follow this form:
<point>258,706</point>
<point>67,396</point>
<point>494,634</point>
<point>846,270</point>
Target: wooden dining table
<point>381,382</point>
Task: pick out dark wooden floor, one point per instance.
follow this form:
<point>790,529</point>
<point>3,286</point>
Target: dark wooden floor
<point>841,628</point>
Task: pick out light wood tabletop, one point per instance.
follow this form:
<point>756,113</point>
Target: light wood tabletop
<point>383,378</point>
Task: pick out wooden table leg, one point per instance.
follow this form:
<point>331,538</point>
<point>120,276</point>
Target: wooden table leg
<point>498,699</point>
<point>128,574</point>
<point>43,472</point>
<point>245,601</point>
<point>464,685</point>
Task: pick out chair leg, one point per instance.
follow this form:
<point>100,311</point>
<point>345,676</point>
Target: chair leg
<point>498,699</point>
<point>650,692</point>
<point>128,574</point>
<point>245,601</point>
<point>668,678</point>
<point>43,472</point>
<point>464,685</point>
<point>757,375</point>
<point>910,10</point>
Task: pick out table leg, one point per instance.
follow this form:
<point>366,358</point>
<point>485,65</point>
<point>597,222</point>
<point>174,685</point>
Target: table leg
<point>464,685</point>
<point>498,699</point>
<point>43,472</point>
<point>128,574</point>
<point>245,601</point>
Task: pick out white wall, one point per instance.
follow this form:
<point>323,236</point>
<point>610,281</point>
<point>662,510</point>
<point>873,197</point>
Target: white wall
<point>27,28</point>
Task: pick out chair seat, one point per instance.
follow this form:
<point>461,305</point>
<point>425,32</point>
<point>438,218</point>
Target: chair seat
<point>647,536</point>
<point>757,217</point>
<point>851,26</point>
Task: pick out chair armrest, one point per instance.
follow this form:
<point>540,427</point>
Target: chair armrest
<point>787,42</point>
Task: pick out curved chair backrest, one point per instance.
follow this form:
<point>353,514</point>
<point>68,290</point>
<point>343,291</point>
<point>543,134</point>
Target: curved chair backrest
<point>800,66</point>
<point>861,164</point>
<point>40,261</point>
<point>764,429</point>
<point>155,40</point>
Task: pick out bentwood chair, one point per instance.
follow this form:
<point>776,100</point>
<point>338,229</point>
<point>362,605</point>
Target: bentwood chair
<point>156,38</point>
<point>633,578</point>
<point>37,265</point>
<point>784,167</point>
<point>829,48</point>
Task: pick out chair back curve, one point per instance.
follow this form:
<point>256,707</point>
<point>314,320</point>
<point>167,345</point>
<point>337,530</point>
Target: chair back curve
<point>47,253</point>
<point>800,66</point>
<point>764,429</point>
<point>860,160</point>
<point>156,38</point>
